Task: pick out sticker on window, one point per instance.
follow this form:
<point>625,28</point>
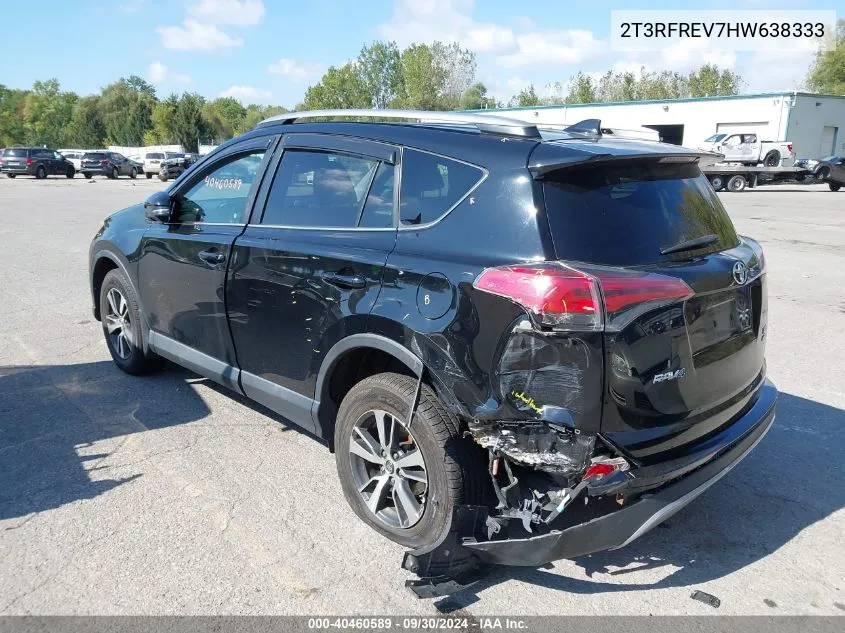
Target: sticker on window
<point>224,183</point>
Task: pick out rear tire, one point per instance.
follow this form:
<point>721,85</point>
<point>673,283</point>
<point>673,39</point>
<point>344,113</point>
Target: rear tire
<point>40,173</point>
<point>11,175</point>
<point>834,186</point>
<point>737,183</point>
<point>149,176</point>
<point>120,313</point>
<point>772,159</point>
<point>88,176</point>
<point>453,467</point>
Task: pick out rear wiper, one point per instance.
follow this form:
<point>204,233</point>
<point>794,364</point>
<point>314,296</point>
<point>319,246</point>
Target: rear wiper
<point>689,245</point>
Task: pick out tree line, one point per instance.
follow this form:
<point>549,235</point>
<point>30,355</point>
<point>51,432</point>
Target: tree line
<point>126,112</point>
<point>437,76</point>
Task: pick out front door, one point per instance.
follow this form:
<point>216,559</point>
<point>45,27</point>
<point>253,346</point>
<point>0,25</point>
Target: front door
<point>182,266</point>
<point>307,271</point>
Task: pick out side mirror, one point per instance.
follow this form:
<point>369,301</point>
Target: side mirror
<point>158,207</point>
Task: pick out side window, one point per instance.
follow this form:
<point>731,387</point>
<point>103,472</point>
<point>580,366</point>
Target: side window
<point>220,196</point>
<point>323,188</point>
<point>431,185</point>
<point>378,209</point>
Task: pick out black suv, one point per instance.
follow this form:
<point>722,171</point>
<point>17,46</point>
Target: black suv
<point>35,161</point>
<point>557,334</point>
<point>109,164</point>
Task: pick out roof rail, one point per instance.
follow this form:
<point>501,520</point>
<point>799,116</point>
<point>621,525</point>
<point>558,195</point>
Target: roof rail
<point>593,128</point>
<point>487,123</point>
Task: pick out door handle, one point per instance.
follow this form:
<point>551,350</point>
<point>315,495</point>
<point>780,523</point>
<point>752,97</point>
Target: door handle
<point>212,256</point>
<point>344,280</point>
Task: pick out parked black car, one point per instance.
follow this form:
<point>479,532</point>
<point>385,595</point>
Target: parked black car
<point>830,169</point>
<point>35,161</point>
<point>557,334</point>
<point>109,164</point>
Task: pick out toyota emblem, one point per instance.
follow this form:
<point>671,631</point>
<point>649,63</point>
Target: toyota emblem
<point>740,272</point>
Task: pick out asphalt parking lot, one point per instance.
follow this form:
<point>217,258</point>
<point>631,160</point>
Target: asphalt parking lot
<point>165,495</point>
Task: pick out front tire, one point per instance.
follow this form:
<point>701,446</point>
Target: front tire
<point>70,173</point>
<point>717,182</point>
<point>404,482</point>
<point>121,318</point>
<point>833,186</point>
<point>115,174</point>
<point>162,177</point>
<point>149,175</point>
<point>133,174</point>
<point>12,176</point>
<point>88,176</point>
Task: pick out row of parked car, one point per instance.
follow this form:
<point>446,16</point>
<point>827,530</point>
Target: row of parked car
<point>42,162</point>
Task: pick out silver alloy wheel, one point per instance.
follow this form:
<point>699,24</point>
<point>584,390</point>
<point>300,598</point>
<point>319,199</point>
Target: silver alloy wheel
<point>388,469</point>
<point>118,323</point>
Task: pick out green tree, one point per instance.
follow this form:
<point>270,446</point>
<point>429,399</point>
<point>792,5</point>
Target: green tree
<point>127,107</point>
<point>47,113</point>
<point>189,127</point>
<point>526,98</point>
<point>475,98</point>
<point>87,129</point>
<point>12,130</point>
<point>827,73</point>
<point>380,68</point>
<point>709,81</point>
<point>163,130</point>
<point>339,88</point>
<point>224,116</point>
<point>423,81</point>
<point>581,89</point>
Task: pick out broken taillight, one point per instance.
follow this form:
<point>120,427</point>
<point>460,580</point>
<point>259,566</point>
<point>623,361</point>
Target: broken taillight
<point>565,298</point>
<point>602,466</point>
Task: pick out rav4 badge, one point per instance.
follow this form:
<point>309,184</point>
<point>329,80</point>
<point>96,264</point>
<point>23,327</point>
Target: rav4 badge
<point>670,375</point>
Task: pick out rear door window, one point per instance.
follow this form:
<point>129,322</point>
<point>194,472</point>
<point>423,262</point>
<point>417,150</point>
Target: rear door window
<point>321,188</point>
<point>625,214</point>
<point>432,185</point>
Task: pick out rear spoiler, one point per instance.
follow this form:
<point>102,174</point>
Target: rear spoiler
<point>541,166</point>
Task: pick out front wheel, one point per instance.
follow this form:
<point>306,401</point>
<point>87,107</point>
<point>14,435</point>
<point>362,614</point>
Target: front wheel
<point>87,175</point>
<point>162,177</point>
<point>133,174</point>
<point>11,175</point>
<point>404,481</point>
<point>70,173</point>
<point>717,182</point>
<point>149,175</point>
<point>834,186</point>
<point>115,174</point>
<point>121,319</point>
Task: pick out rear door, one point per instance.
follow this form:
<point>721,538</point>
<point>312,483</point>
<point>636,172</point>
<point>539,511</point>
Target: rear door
<point>307,270</point>
<point>183,262</point>
<point>676,369</point>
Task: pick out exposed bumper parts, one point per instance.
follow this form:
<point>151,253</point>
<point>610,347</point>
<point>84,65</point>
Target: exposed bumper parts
<point>610,531</point>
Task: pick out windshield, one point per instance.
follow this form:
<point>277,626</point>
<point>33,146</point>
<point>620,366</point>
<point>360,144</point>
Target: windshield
<point>625,214</point>
<point>715,138</point>
<point>829,159</point>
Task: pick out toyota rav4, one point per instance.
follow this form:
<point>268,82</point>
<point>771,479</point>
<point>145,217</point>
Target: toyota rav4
<point>559,332</point>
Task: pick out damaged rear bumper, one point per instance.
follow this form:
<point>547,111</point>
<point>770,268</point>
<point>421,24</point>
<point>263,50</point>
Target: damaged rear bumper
<point>621,527</point>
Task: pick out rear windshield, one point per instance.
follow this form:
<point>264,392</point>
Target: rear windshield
<point>155,156</point>
<point>625,214</point>
<point>95,156</point>
<point>16,152</point>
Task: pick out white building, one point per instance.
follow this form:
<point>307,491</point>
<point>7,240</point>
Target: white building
<point>814,123</point>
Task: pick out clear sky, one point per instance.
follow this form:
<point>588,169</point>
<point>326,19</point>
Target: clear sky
<point>269,51</point>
